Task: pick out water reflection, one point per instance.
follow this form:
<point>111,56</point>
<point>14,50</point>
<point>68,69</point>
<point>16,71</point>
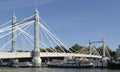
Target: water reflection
<point>54,70</point>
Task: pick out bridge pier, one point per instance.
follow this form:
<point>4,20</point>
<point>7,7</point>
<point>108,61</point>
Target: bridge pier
<point>36,59</point>
<point>14,62</point>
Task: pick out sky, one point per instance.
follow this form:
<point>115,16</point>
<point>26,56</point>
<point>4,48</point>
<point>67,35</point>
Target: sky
<point>74,21</point>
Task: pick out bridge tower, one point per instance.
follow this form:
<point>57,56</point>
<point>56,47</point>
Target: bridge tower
<point>14,62</point>
<point>14,33</point>
<point>36,53</point>
<point>89,50</point>
<point>103,46</point>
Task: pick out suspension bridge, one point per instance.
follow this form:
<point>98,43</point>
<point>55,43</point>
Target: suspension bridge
<point>31,34</point>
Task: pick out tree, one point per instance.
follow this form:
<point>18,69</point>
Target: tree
<point>114,54</point>
<point>42,50</point>
<point>19,50</point>
<point>76,48</point>
<point>50,50</point>
<point>61,49</point>
<point>107,50</point>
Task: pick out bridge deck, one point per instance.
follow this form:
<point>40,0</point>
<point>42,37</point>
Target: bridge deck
<point>4,55</point>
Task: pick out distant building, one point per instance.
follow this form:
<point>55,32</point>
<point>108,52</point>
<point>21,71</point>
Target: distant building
<point>118,52</point>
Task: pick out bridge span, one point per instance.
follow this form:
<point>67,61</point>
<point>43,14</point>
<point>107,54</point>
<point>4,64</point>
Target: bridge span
<point>32,32</point>
<point>6,55</point>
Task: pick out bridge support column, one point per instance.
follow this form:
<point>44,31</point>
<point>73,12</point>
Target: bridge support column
<point>104,62</point>
<point>14,62</point>
<point>14,33</point>
<point>36,53</point>
<point>103,45</point>
<point>89,50</point>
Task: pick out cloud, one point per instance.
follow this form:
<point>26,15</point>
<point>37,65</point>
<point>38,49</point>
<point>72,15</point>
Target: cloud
<point>22,3</point>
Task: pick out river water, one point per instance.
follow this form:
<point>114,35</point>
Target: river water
<point>54,70</point>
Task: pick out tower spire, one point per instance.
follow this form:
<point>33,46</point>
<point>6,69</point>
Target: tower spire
<point>14,16</point>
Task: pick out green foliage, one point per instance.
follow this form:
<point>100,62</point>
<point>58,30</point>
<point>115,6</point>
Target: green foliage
<point>42,50</point>
<point>61,49</point>
<point>26,51</point>
<point>76,47</point>
<point>50,49</point>
<point>113,54</point>
<point>108,50</point>
<point>20,51</point>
